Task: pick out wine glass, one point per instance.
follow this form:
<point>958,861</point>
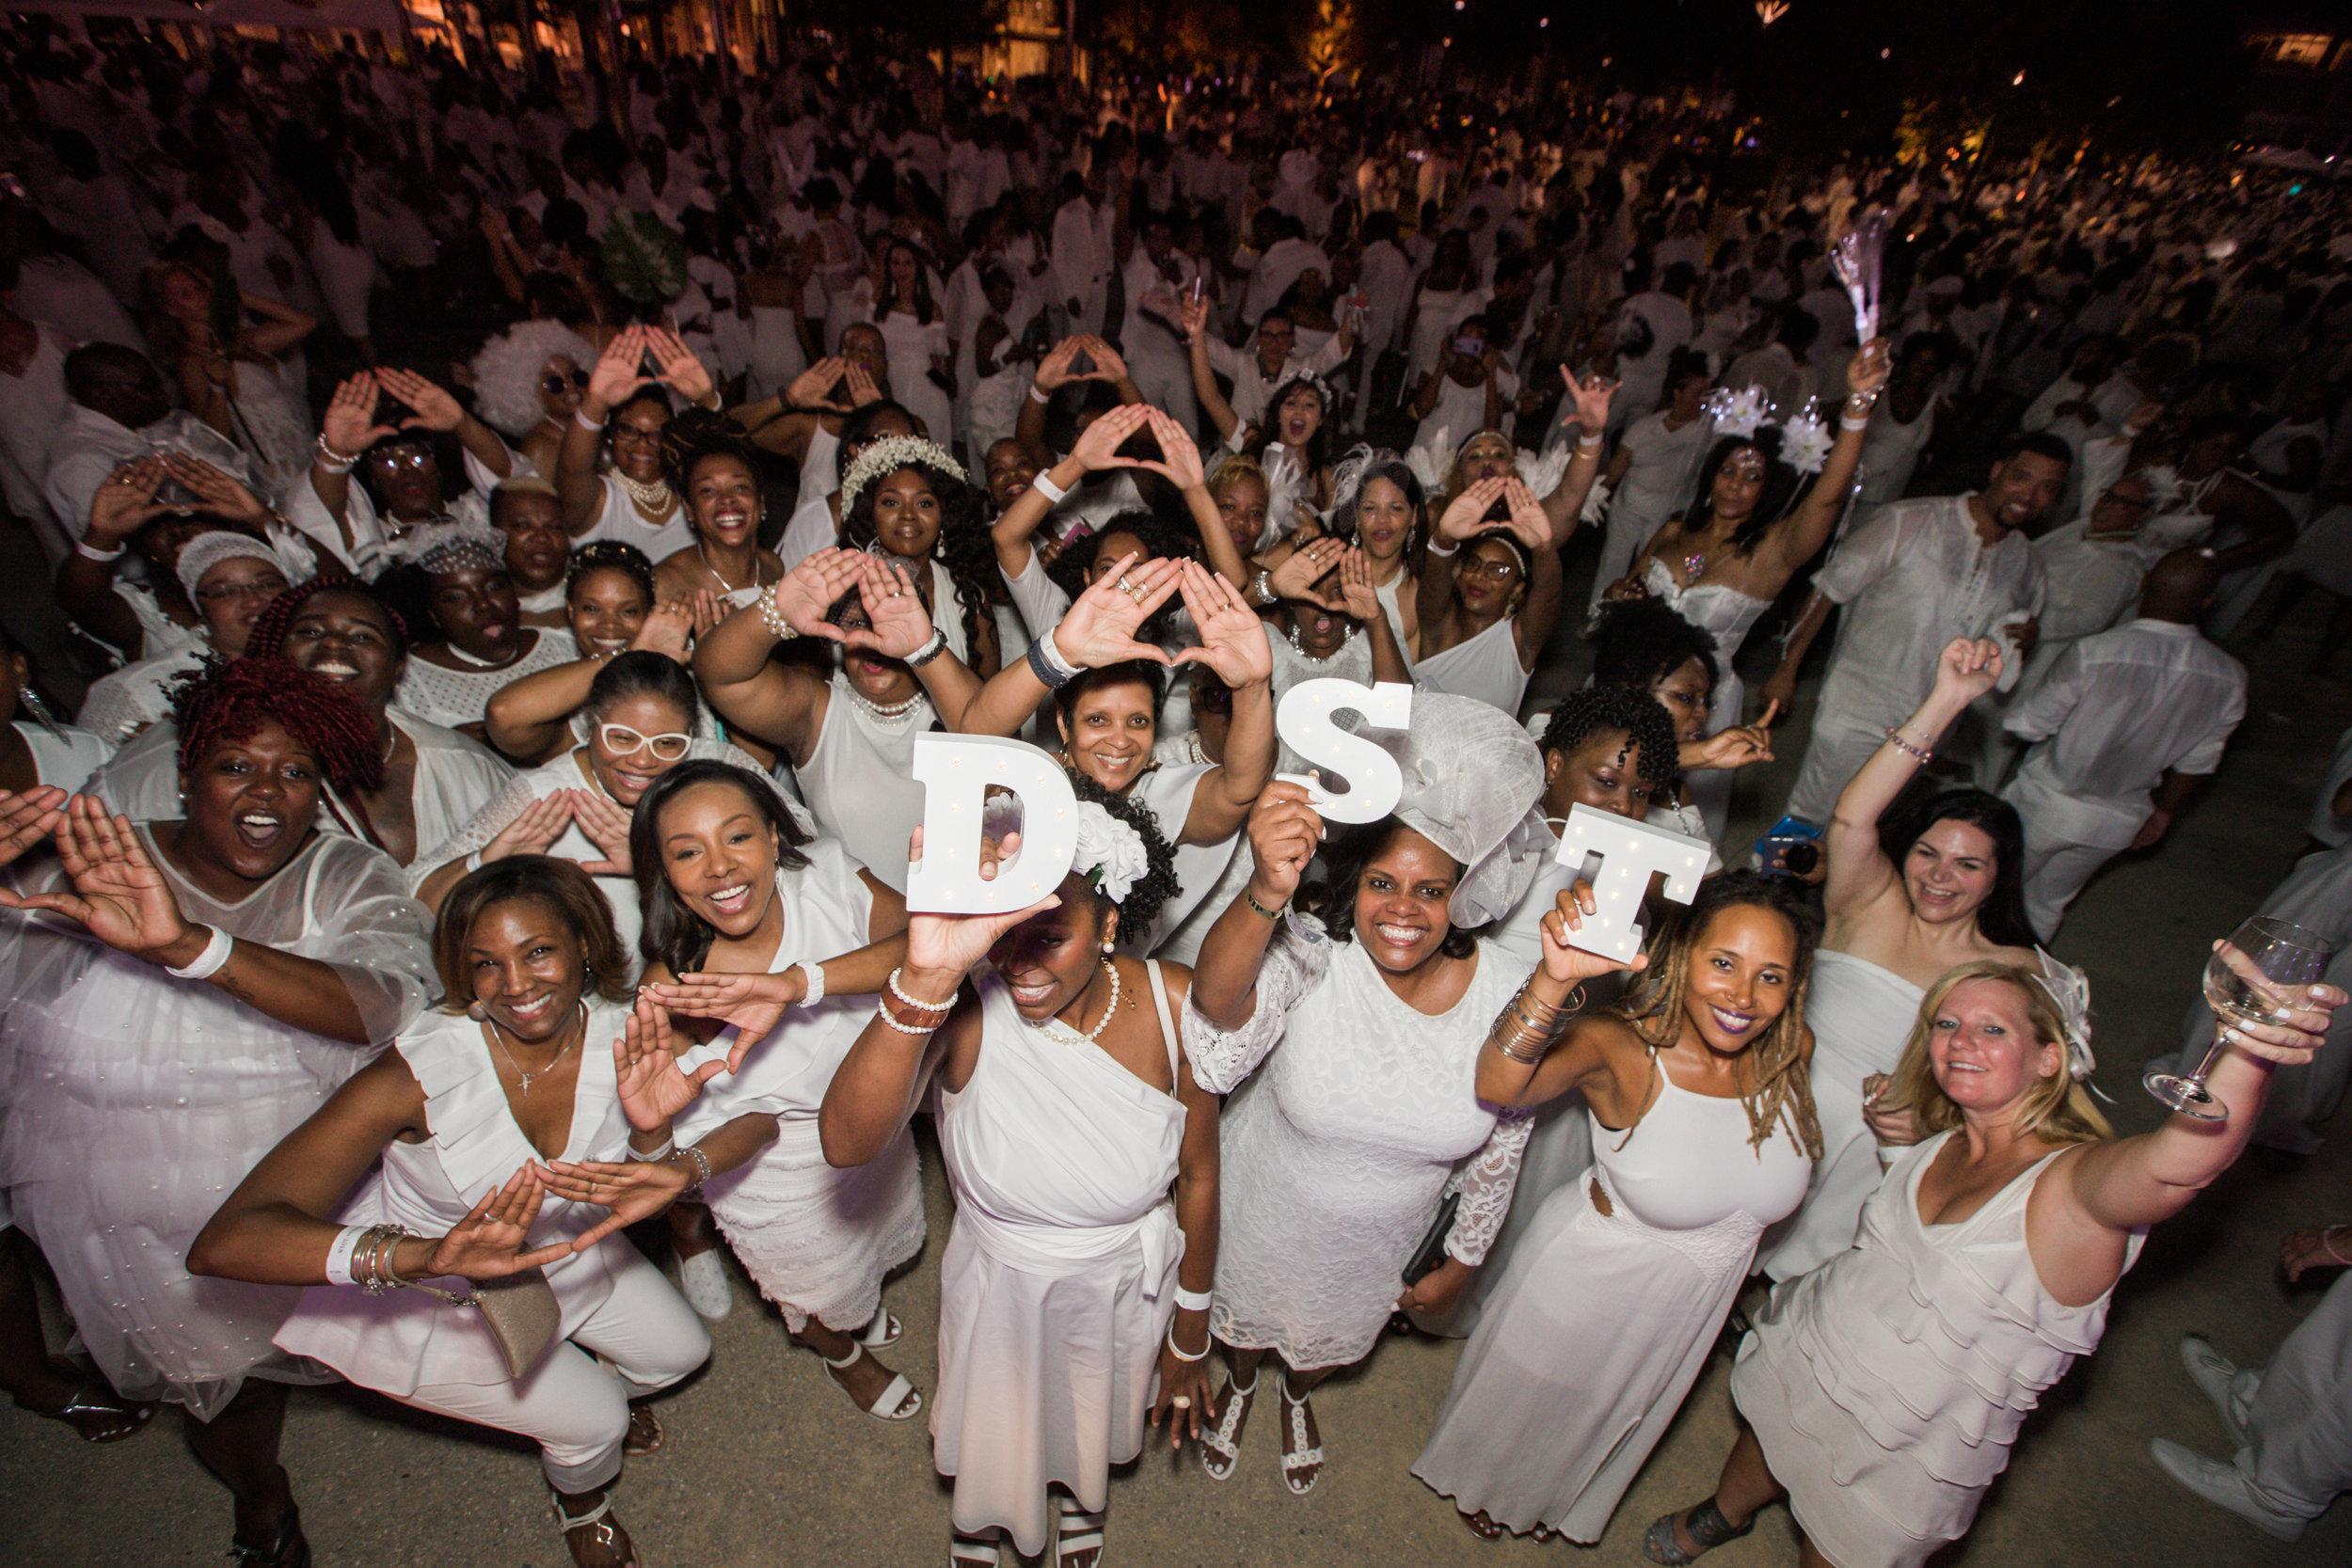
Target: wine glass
<point>2284,955</point>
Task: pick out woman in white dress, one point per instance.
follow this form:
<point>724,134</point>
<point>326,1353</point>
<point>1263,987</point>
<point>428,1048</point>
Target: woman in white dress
<point>620,416</point>
<point>1721,564</point>
<point>1106,690</point>
<point>907,499</point>
<point>640,717</point>
<point>1937,886</point>
<point>230,577</point>
<point>480,1190</point>
<point>1882,1392</point>
<point>716,475</point>
<point>1656,459</point>
<point>35,748</point>
<point>404,502</point>
<point>1074,1294</point>
<point>181,995</point>
<point>915,335</point>
<point>528,384</point>
<point>1368,1018</point>
<point>235,386</point>
<point>1701,1130</point>
<point>785,939</point>
<point>1489,596</point>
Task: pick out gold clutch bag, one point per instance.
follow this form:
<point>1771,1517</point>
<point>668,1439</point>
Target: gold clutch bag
<point>522,1316</point>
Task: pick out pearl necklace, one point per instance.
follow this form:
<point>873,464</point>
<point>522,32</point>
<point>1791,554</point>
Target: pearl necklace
<point>655,498</point>
<point>885,715</point>
<point>1095,1034</point>
<point>1298,646</point>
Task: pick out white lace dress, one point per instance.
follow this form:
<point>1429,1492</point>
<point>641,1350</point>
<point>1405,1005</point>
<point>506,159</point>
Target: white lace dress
<point>136,1102</point>
<point>817,1242</point>
<point>454,698</point>
<point>1335,1158</point>
<point>1724,613</point>
<point>1562,1393</point>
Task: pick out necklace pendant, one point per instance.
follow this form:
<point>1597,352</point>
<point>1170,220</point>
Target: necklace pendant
<point>1693,566</point>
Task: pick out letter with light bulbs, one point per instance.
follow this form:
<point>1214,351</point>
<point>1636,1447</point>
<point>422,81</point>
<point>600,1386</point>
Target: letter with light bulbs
<point>1629,854</point>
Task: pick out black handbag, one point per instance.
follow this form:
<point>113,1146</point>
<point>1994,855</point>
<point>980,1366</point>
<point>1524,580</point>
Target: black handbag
<point>1431,1253</point>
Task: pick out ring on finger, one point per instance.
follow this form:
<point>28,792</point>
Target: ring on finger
<point>1182,1402</point>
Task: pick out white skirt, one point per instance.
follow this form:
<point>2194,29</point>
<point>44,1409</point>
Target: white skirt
<point>818,1242</point>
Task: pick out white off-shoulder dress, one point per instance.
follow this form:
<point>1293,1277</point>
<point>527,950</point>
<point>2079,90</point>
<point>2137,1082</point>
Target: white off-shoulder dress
<point>1334,1160</point>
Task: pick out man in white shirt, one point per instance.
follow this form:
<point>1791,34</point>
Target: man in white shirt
<point>1152,335</point>
<point>1276,361</point>
<point>1911,578</point>
<point>1284,253</point>
<point>1084,253</point>
<point>2127,722</point>
<point>1651,324</point>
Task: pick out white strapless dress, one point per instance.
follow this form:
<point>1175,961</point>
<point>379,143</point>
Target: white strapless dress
<point>1724,613</point>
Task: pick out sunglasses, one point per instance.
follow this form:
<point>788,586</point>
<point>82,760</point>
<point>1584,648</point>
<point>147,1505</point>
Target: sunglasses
<point>554,382</point>
<point>622,741</point>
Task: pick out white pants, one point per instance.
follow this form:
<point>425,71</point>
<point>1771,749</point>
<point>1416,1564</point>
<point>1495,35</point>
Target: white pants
<point>1834,753</point>
<point>2056,870</point>
<point>575,1405</point>
<point>2297,1412</point>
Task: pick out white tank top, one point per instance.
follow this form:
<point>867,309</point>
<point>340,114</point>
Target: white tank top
<point>818,478</point>
<point>859,780</point>
<point>1485,666</point>
<point>621,520</point>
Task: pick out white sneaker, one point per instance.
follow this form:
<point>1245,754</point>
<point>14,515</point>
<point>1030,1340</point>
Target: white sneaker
<point>702,1279</point>
<point>2225,1484</point>
<point>2216,1374</point>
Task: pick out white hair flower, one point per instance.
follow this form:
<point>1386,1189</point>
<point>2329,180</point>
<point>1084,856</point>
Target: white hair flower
<point>1736,413</point>
<point>887,456</point>
<point>1110,853</point>
<point>1805,442</point>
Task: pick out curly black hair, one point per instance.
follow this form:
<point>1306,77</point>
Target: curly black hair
<point>1640,642</point>
<point>1157,886</point>
<point>1597,709</point>
<point>1162,541</point>
<point>964,546</point>
<point>1346,854</point>
<point>610,555</point>
<point>699,433</point>
<point>269,627</point>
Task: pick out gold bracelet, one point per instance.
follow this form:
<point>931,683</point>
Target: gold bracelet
<point>1260,909</point>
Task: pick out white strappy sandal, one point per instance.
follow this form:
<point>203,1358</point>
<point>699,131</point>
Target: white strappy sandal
<point>898,1401</point>
<point>604,1531</point>
<point>882,1332</point>
<point>1297,1455</point>
<point>1078,1532</point>
<point>1220,1446</point>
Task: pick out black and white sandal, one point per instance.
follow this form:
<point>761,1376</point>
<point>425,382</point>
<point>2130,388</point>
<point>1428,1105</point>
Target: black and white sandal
<point>971,1551</point>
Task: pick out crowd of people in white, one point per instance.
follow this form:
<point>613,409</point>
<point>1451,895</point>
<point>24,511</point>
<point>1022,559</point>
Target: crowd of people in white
<point>518,526</point>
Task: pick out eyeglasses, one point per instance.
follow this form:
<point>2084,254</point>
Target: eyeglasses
<point>554,382</point>
<point>253,587</point>
<point>1494,571</point>
<point>622,741</point>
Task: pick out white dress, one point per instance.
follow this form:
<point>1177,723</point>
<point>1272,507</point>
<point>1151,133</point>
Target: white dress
<point>1562,1393</point>
<point>1724,613</point>
<point>817,1242</point>
<point>620,519</point>
<point>1059,1280</point>
<point>1334,1160</point>
<point>136,1102</point>
<point>64,756</point>
<point>910,345</point>
<point>1167,791</point>
<point>1860,1016</point>
<point>454,698</point>
<point>859,780</point>
<point>455,777</point>
<point>1887,1388</point>
<point>1484,666</point>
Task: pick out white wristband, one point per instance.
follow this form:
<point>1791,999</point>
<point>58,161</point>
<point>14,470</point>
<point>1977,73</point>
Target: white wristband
<point>1036,396</point>
<point>473,863</point>
<point>593,427</point>
<point>1043,484</point>
<point>1194,1301</point>
<point>1055,656</point>
<point>1589,443</point>
<point>83,549</point>
<point>1847,421</point>
<point>1441,552</point>
<point>338,1256</point>
<point>208,963</point>
<point>815,983</point>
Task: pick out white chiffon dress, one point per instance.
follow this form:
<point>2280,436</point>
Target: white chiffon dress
<point>1484,666</point>
<point>1889,1387</point>
<point>1562,1392</point>
<point>1334,1160</point>
<point>1860,1016</point>
<point>1725,614</point>
<point>816,1241</point>
<point>1059,1278</point>
<point>136,1102</point>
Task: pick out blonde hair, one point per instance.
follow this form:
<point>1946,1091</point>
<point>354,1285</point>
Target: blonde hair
<point>1233,469</point>
<point>2056,1110</point>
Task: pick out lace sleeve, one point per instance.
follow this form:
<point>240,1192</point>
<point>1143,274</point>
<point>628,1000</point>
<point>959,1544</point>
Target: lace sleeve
<point>487,823</point>
<point>1488,1179</point>
<point>1294,965</point>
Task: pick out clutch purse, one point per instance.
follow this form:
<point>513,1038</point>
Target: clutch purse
<point>1431,1253</point>
<point>522,1315</point>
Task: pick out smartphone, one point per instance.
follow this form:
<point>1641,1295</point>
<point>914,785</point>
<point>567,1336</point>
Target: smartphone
<point>1475,347</point>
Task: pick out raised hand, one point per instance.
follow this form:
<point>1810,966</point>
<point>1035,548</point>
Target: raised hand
<point>1573,965</point>
<point>808,591</point>
<point>1868,371</point>
<point>1466,513</point>
<point>680,370</point>
<point>487,1243</point>
<point>606,827</point>
<point>1284,832</point>
<point>894,611</point>
<point>1528,522</point>
<point>126,502</point>
<point>634,1190</point>
<point>1098,445</point>
<point>1100,626</point>
<point>1179,461</point>
<point>1589,400</point>
<point>813,387</point>
<point>432,408</point>
<point>668,628</point>
<point>541,824</point>
<point>348,425</point>
<point>753,1003</point>
<point>1053,372</point>
<point>27,819</point>
<point>1968,667</point>
<point>615,373</point>
<point>653,1087</point>
<point>215,491</point>
<point>1108,366</point>
<point>1305,566</point>
<point>1233,638</point>
<point>117,892</point>
<point>1356,588</point>
<point>860,382</point>
<point>1734,747</point>
<point>1196,319</point>
<point>940,945</point>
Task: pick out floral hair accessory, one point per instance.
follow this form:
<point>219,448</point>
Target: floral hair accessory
<point>1110,853</point>
<point>468,551</point>
<point>1805,442</point>
<point>2069,991</point>
<point>887,456</point>
<point>1736,413</point>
